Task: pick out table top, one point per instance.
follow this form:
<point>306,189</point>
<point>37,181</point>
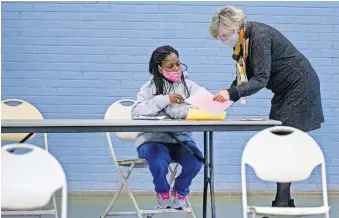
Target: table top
<point>127,125</point>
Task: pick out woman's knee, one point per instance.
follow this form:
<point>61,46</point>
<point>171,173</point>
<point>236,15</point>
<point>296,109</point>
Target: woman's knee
<point>159,164</point>
<point>158,157</point>
<point>193,166</point>
<point>197,166</point>
<point>144,151</point>
<point>150,151</point>
<point>196,163</point>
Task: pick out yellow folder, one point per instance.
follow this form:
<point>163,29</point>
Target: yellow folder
<point>197,114</point>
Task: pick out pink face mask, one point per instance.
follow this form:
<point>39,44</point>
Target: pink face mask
<point>173,76</point>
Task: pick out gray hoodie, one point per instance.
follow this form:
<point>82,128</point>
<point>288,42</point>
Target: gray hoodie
<point>148,104</point>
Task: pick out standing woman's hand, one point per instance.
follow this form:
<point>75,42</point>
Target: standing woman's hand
<point>222,96</point>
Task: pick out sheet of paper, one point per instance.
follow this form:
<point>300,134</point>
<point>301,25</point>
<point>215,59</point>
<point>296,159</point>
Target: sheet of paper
<point>203,99</point>
<point>198,114</point>
<point>149,118</point>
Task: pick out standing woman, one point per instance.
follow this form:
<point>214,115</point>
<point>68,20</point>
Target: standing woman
<point>266,58</point>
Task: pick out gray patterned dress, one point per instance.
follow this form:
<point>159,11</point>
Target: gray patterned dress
<point>273,62</point>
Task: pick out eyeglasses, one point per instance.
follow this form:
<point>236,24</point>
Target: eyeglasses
<point>226,36</point>
<point>182,66</point>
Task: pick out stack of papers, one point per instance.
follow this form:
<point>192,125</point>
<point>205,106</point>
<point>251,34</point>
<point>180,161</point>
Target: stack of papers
<point>197,114</point>
<point>203,100</point>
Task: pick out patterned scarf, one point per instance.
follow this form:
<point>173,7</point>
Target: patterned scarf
<point>239,56</point>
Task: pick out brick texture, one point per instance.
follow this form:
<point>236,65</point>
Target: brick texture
<point>73,59</point>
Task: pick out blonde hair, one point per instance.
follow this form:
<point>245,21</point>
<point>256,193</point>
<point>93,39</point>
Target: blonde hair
<point>229,16</point>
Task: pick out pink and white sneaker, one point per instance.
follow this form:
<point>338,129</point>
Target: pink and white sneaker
<point>163,200</point>
<point>179,201</point>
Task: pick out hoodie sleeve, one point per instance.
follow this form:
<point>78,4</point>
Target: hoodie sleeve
<point>147,104</point>
<point>181,111</point>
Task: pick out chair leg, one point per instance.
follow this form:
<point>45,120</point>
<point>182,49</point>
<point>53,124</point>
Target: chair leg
<point>173,172</point>
<point>55,206</point>
<point>111,204</point>
<point>254,214</point>
<point>135,204</point>
<point>190,207</point>
<point>123,183</point>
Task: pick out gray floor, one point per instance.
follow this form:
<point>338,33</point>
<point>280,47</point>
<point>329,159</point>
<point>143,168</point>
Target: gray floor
<point>226,207</point>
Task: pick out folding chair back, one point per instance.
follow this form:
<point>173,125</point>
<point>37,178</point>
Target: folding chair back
<point>22,110</point>
<point>282,154</point>
<point>42,174</point>
<point>119,111</point>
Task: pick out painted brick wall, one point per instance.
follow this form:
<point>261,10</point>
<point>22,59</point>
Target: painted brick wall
<point>72,60</point>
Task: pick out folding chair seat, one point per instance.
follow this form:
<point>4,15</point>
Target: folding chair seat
<point>283,154</point>
<point>23,110</point>
<point>120,111</point>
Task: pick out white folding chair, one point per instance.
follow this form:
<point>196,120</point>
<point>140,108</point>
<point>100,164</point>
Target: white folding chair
<point>23,110</point>
<point>283,154</point>
<point>29,180</point>
<point>119,111</point>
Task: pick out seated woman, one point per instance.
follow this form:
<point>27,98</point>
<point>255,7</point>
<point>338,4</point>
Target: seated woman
<point>164,95</point>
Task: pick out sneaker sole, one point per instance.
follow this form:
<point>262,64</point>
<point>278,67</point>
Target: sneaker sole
<point>167,207</point>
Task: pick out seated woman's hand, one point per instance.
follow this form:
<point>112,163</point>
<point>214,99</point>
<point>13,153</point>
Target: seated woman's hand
<point>176,99</point>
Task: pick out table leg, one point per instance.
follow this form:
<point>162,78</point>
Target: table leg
<point>206,180</point>
<point>211,175</point>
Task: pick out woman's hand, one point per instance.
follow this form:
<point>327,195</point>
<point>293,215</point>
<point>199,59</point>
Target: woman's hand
<point>176,99</point>
<point>222,96</point>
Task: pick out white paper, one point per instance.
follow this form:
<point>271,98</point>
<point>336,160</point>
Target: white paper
<point>203,100</point>
<point>149,118</point>
<point>243,100</point>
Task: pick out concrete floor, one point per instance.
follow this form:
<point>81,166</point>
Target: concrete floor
<point>226,207</point>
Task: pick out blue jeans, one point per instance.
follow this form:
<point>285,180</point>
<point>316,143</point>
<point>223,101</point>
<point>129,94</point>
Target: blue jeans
<point>160,155</point>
